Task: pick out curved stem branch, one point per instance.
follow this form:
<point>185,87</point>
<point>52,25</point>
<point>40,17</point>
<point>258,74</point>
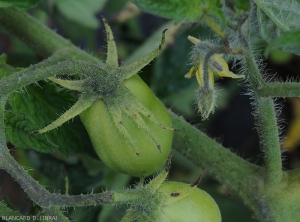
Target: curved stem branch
<point>44,70</point>
<point>204,151</point>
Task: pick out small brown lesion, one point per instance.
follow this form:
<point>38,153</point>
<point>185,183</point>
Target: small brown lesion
<point>174,194</point>
<point>33,132</point>
<point>99,200</point>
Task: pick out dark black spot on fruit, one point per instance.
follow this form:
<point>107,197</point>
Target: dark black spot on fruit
<point>175,194</point>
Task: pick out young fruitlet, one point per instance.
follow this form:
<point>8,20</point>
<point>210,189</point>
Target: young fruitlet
<point>167,201</point>
<point>129,127</point>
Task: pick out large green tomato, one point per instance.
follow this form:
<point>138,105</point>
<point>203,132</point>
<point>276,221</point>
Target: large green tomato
<point>113,148</point>
<point>193,204</point>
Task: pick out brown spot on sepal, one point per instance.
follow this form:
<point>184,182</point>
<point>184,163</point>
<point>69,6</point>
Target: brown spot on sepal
<point>196,182</point>
<point>169,162</point>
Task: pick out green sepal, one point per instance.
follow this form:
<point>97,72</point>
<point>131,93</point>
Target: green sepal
<point>112,53</point>
<point>84,102</point>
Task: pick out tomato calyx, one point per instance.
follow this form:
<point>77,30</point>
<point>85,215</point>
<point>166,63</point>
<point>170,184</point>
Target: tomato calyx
<point>105,81</point>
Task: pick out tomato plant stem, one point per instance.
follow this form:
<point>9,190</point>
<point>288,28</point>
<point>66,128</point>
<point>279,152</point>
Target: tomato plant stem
<point>45,43</point>
<point>266,121</point>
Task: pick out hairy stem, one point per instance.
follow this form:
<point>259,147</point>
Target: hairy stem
<point>45,199</point>
<point>239,176</point>
<point>280,89</point>
<point>204,151</point>
<point>38,72</point>
<point>253,72</point>
<point>268,129</point>
<point>267,122</point>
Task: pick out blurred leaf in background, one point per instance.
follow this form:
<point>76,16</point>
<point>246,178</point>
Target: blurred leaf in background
<point>21,5</point>
<point>275,19</point>
<point>81,12</point>
<point>292,139</point>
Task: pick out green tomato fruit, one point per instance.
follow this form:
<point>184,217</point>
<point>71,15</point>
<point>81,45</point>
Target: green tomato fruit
<point>185,203</point>
<point>114,149</point>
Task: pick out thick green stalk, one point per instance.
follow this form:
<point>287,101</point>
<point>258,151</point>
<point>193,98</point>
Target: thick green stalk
<point>37,36</point>
<point>280,89</point>
<point>218,161</point>
<point>241,177</point>
<point>253,73</point>
<point>45,199</point>
<point>268,130</point>
<point>26,28</point>
<point>267,122</point>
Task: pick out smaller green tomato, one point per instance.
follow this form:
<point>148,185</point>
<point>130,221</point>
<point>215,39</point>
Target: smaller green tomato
<point>185,203</point>
<point>114,149</point>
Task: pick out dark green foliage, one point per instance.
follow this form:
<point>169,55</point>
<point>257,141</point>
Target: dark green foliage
<point>21,5</point>
<point>18,125</point>
<point>43,103</point>
<point>275,18</point>
<point>288,42</point>
<point>178,9</point>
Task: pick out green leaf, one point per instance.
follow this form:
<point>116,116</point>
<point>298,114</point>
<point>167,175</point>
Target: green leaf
<point>175,9</point>
<point>219,15</point>
<point>21,5</point>
<point>3,59</point>
<point>242,4</point>
<point>276,18</point>
<point>18,125</point>
<point>289,40</point>
<point>81,12</point>
<point>43,103</point>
